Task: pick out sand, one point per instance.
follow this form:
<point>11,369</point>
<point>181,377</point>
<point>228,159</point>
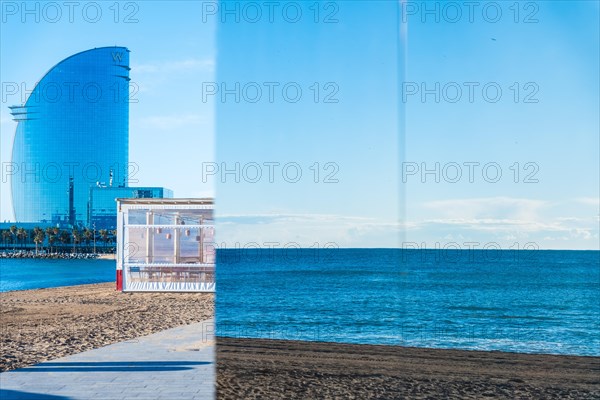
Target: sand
<point>272,369</point>
<point>44,324</point>
<point>39,325</point>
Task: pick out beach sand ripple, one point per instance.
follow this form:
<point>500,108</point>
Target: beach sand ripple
<point>44,324</point>
<point>279,369</point>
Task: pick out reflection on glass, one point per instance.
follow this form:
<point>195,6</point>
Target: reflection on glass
<point>166,244</point>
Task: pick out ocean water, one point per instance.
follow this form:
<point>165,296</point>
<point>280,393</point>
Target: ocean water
<point>22,274</point>
<point>517,301</point>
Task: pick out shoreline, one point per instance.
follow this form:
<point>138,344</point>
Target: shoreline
<point>31,254</point>
<point>111,282</point>
<point>415,348</point>
<point>268,368</point>
<point>43,324</point>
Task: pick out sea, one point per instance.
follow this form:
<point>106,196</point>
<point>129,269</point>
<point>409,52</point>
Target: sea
<point>31,273</point>
<point>532,301</point>
<point>528,301</point>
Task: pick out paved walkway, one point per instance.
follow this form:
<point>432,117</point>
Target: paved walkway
<point>177,363</point>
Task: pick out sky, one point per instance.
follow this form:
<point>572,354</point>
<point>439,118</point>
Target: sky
<point>172,52</point>
<point>509,96</point>
<point>558,207</point>
<point>331,124</point>
<point>411,124</point>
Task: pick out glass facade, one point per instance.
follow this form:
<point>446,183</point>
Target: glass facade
<point>166,245</point>
<point>102,206</point>
<point>72,133</point>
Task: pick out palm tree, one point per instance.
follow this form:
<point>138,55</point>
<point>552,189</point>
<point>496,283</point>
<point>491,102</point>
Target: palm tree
<point>13,232</point>
<point>88,236</point>
<point>39,237</point>
<point>22,234</point>
<point>64,238</point>
<point>34,232</point>
<point>51,237</point>
<point>51,240</point>
<point>104,236</point>
<point>5,236</point>
<point>114,235</point>
<point>76,238</point>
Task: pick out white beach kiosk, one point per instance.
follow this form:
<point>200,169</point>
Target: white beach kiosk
<point>165,245</point>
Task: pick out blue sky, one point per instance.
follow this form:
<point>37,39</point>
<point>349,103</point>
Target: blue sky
<point>355,130</point>
<point>559,133</point>
<point>172,52</point>
<point>540,132</point>
<point>360,51</point>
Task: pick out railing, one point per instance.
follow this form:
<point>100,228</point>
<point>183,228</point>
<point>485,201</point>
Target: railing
<point>171,273</point>
<point>164,259</point>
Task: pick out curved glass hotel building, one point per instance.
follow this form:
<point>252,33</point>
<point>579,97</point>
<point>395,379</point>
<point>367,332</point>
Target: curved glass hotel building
<point>72,133</point>
<point>71,145</point>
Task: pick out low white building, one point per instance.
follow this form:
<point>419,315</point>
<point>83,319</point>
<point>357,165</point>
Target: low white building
<point>165,245</point>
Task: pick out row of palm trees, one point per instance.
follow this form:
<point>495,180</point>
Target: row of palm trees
<point>56,239</point>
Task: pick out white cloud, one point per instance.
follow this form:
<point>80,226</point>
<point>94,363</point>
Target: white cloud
<point>588,201</point>
<point>488,208</point>
<point>356,231</point>
<point>502,214</point>
<point>6,121</point>
<point>162,78</point>
<point>204,194</point>
<point>170,122</point>
<point>505,219</point>
<point>307,230</point>
<point>207,65</point>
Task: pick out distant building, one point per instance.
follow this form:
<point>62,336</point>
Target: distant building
<point>72,131</point>
<point>102,205</point>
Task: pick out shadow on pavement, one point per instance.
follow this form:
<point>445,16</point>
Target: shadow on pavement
<point>18,395</point>
<point>116,366</point>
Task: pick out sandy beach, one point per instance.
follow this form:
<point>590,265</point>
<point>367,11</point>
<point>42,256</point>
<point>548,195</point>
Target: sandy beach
<point>276,369</point>
<point>43,324</point>
<point>39,325</point>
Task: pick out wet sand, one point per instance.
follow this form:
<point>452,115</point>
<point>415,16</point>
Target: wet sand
<point>44,324</point>
<point>277,369</point>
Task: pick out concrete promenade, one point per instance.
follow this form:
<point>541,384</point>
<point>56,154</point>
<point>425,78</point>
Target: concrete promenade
<point>178,363</point>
